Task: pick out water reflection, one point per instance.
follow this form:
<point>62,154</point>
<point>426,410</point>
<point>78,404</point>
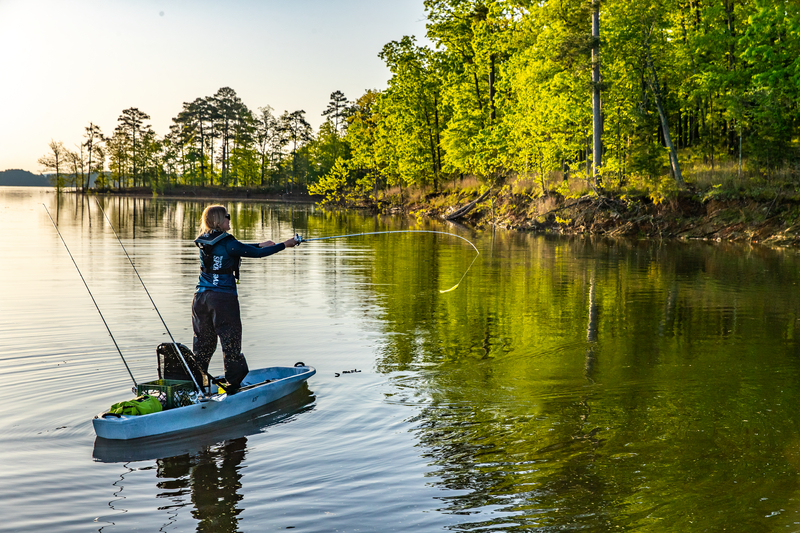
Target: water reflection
<point>202,469</point>
<point>212,478</point>
<point>568,383</point>
<point>590,384</point>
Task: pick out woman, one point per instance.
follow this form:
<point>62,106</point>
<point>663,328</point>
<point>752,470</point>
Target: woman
<point>215,308</point>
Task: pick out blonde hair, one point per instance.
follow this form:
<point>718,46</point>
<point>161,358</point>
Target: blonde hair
<point>212,219</point>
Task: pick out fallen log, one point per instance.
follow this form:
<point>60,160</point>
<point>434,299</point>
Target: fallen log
<point>460,212</point>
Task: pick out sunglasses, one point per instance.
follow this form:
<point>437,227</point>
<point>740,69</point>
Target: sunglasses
<point>228,216</point>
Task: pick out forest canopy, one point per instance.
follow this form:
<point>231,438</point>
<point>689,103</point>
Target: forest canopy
<point>563,93</point>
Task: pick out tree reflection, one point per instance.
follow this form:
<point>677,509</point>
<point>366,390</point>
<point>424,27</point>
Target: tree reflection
<point>533,432</point>
<point>568,383</point>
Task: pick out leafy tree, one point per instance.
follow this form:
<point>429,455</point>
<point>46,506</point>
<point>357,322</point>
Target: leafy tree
<point>232,120</point>
<point>326,148</point>
<point>334,186</point>
<point>173,155</point>
<point>336,124</point>
<point>412,112</point>
<point>362,136</point>
<point>770,46</point>
<point>94,150</point>
<point>195,123</point>
<point>298,132</point>
<point>77,163</point>
<point>270,138</point>
<point>337,111</point>
<point>132,122</point>
<point>119,156</point>
<point>55,161</point>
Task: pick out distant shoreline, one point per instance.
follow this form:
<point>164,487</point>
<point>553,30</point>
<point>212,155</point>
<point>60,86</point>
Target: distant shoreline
<point>15,177</point>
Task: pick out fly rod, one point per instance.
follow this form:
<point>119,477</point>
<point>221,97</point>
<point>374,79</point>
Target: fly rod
<point>300,239</point>
<point>92,296</point>
<point>175,344</point>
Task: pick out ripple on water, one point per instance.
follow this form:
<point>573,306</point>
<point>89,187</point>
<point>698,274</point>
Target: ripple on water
<point>567,383</point>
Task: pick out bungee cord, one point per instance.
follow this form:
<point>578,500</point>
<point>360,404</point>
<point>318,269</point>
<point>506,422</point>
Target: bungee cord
<point>300,239</point>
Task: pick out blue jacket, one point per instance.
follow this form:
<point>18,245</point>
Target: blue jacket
<point>220,256</point>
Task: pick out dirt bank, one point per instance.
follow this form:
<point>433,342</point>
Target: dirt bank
<point>772,221</point>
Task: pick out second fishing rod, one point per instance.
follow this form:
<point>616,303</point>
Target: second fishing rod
<point>211,378</point>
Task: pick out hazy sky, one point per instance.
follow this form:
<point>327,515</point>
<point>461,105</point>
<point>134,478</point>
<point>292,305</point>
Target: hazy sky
<point>66,63</point>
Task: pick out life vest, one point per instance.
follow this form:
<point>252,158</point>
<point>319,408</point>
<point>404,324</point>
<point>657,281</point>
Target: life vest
<point>220,263</point>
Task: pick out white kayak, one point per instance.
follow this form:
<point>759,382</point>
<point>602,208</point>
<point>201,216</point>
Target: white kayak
<point>258,388</point>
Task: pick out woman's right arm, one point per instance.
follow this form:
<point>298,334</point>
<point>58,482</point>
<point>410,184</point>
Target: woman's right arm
<point>261,250</point>
<point>288,244</point>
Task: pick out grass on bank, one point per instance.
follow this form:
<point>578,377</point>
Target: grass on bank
<point>724,180</point>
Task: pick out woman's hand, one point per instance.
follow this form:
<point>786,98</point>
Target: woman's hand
<point>290,243</point>
<point>265,244</point>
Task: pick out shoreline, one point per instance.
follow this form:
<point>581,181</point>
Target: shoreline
<point>689,216</point>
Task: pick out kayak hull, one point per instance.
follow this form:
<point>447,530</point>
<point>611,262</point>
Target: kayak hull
<point>256,391</point>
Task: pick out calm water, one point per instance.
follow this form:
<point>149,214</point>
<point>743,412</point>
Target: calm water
<point>567,384</point>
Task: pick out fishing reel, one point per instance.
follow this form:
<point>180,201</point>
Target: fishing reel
<point>298,239</point>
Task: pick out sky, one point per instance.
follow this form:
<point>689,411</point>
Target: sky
<point>64,64</point>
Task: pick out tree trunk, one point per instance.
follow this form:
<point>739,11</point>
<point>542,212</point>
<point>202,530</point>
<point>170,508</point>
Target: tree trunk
<point>438,143</point>
<point>133,132</point>
<point>91,145</point>
<point>597,114</point>
<point>491,88</point>
<point>673,154</point>
<point>478,92</point>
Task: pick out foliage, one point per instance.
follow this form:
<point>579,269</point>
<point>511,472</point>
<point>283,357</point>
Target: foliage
<point>506,90</point>
<point>333,187</point>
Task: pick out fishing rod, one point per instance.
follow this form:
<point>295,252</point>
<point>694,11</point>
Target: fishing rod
<point>92,296</point>
<point>175,344</point>
<point>300,239</point>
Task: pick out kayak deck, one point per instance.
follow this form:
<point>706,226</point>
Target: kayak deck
<point>259,387</point>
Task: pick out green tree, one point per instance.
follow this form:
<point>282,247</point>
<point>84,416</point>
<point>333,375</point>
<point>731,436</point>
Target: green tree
<point>132,122</point>
<point>196,123</point>
<point>233,121</point>
<point>770,47</point>
<point>77,164</point>
<point>55,161</point>
<point>94,150</point>
<point>270,140</point>
<point>118,147</point>
<point>412,113</point>
<point>362,135</point>
<point>474,39</point>
<point>337,111</point>
<point>298,132</point>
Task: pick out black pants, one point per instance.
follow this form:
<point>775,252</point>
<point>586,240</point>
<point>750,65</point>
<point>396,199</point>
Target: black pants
<point>216,314</point>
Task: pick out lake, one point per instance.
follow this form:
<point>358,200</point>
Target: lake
<point>567,383</point>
